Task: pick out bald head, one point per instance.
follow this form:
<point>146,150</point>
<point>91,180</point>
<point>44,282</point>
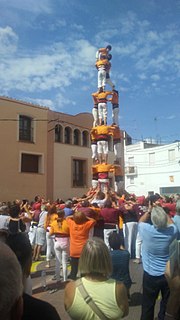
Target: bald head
<point>10,283</point>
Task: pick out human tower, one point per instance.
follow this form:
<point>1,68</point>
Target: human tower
<point>101,132</point>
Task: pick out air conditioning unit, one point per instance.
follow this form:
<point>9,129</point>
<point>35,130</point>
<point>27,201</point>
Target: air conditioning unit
<point>131,170</point>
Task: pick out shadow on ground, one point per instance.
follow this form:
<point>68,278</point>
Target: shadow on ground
<point>136,299</point>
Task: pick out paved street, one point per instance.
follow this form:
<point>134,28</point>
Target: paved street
<point>56,298</point>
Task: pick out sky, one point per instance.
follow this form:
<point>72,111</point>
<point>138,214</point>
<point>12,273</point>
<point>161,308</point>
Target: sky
<point>47,57</point>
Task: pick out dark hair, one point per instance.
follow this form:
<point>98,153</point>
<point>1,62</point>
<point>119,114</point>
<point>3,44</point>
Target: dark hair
<point>85,203</point>
<point>100,195</point>
<point>21,246</point>
<point>153,198</point>
<point>36,198</point>
<point>108,203</point>
<point>14,210</point>
<point>109,47</point>
<point>115,240</point>
<point>109,56</point>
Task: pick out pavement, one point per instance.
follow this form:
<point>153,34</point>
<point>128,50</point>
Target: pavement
<point>54,293</point>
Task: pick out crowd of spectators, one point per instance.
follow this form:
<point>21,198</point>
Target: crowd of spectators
<point>139,228</point>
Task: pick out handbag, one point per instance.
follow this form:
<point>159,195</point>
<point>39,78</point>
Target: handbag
<point>89,300</point>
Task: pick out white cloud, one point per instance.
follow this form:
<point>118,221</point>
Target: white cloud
<point>142,76</point>
<point>55,69</point>
<point>155,77</point>
<point>41,102</point>
<point>33,6</point>
<point>171,117</point>
<point>124,50</point>
<point>8,41</point>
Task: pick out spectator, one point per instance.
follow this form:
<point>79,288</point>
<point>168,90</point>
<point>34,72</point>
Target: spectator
<point>111,220</point>
<point>60,230</point>
<point>109,296</point>
<point>50,218</point>
<point>79,226</point>
<point>15,222</point>
<point>173,305</point>
<point>156,239</point>
<point>140,208</point>
<point>40,233</point>
<point>176,218</point>
<point>120,260</point>
<point>68,208</point>
<point>33,308</point>
<point>35,212</point>
<point>129,225</point>
<point>4,217</point>
<point>11,305</point>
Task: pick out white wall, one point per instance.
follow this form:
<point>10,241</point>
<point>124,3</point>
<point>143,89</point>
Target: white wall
<point>160,169</point>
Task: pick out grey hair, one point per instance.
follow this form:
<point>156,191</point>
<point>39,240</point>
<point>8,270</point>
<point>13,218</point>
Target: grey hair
<point>10,280</point>
<point>159,218</point>
<point>178,208</point>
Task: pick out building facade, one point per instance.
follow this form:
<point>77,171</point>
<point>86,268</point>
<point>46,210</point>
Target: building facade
<point>43,152</point>
<point>151,168</point>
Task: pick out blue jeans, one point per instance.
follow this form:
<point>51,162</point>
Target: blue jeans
<point>152,285</point>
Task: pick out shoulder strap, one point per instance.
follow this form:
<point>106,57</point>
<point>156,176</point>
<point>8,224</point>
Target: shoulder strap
<point>89,300</point>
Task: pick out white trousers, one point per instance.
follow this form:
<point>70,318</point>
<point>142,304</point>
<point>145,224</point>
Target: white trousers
<point>103,183</point>
<point>49,246</point>
<point>61,248</point>
<point>102,147</point>
<point>94,151</point>
<point>94,183</point>
<point>101,78</point>
<point>117,150</point>
<point>118,185</point>
<point>32,235</point>
<point>138,246</point>
<point>102,110</point>
<point>106,236</point>
<point>95,116</point>
<point>130,233</point>
<point>115,116</point>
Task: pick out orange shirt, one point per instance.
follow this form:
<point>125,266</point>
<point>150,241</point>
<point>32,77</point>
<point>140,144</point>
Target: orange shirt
<point>50,219</point>
<point>117,133</point>
<point>102,167</point>
<point>101,96</point>
<point>93,135</point>
<point>103,63</point>
<point>79,234</point>
<point>57,228</point>
<point>107,130</point>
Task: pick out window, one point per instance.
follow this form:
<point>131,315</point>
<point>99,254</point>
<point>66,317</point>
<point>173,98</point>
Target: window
<point>79,173</point>
<point>25,129</point>
<point>85,141</point>
<point>171,178</point>
<point>171,155</point>
<point>169,190</point>
<point>67,135</point>
<point>151,158</point>
<point>31,163</point>
<point>76,137</point>
<point>58,133</point>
